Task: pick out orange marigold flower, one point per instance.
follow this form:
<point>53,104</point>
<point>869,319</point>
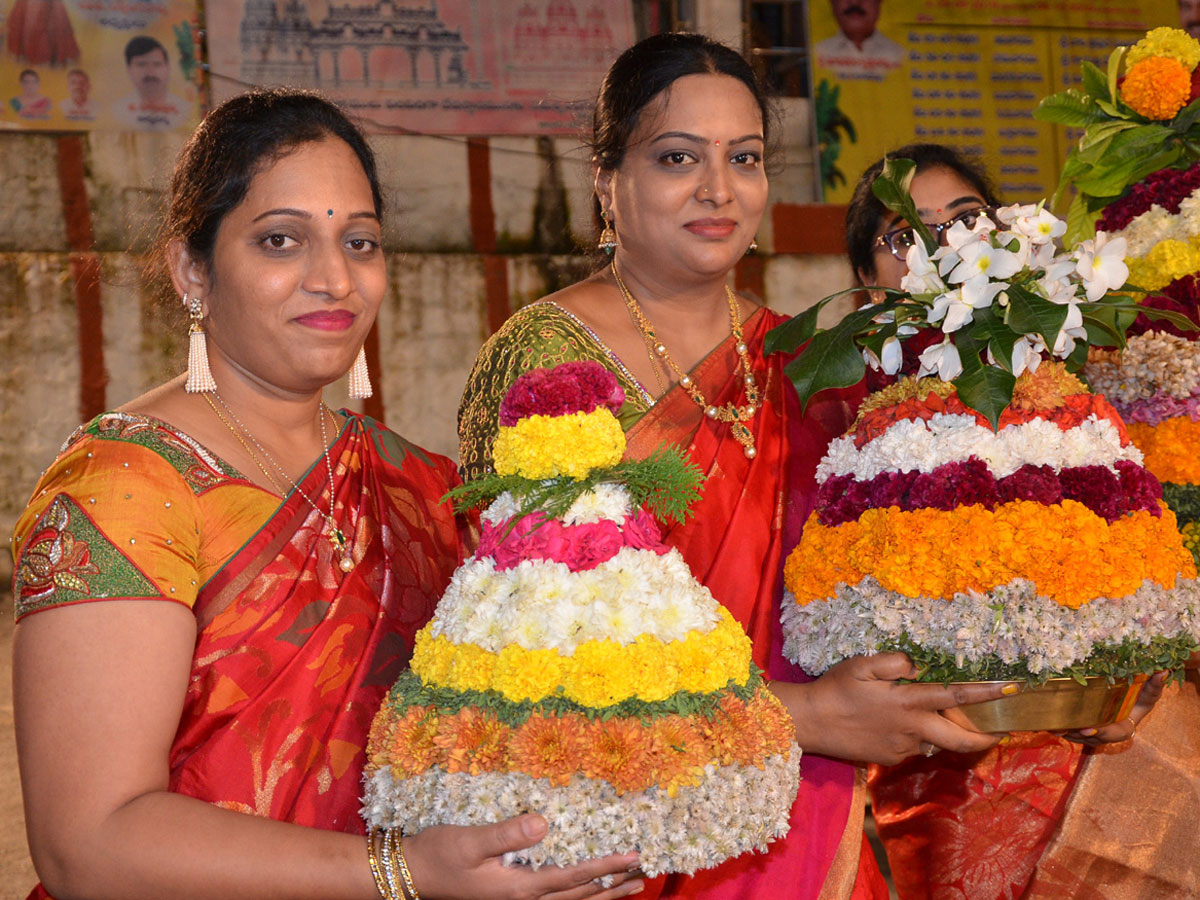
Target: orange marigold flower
<point>1172,449</point>
<point>474,741</point>
<point>1046,388</point>
<point>548,747</point>
<point>1070,554</point>
<point>412,742</point>
<point>1157,87</point>
<point>619,751</point>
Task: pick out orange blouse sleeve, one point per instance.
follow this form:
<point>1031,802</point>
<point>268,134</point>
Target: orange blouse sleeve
<point>118,519</point>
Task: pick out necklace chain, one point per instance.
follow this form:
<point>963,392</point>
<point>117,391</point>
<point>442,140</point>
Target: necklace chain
<point>336,537</point>
<point>735,416</point>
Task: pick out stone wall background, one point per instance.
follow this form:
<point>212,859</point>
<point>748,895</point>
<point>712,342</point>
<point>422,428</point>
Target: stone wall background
<point>439,307</point>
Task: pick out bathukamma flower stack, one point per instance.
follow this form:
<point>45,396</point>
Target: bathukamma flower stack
<point>1041,548</point>
<point>576,668</point>
<point>1137,175</point>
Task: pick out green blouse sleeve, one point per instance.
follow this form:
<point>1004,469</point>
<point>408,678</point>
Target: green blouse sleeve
<point>535,337</point>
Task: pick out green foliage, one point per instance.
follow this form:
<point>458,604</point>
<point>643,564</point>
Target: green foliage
<point>1115,662</point>
<point>409,690</point>
<point>892,190</point>
<point>665,483</point>
<point>831,124</point>
<point>1184,500</point>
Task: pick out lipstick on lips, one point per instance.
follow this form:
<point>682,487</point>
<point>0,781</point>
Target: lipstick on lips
<point>327,319</point>
<point>711,228</point>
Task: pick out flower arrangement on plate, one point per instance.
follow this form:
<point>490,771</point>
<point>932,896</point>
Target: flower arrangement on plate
<point>1137,174</point>
<point>989,516</point>
<point>575,667</point>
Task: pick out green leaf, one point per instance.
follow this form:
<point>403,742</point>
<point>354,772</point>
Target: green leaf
<point>1095,82</point>
<point>986,389</point>
<point>1081,222</point>
<point>1186,117</point>
<point>990,330</point>
<point>1104,330</point>
<point>1030,313</point>
<point>831,360</point>
<point>1078,356</point>
<point>796,331</point>
<point>1069,108</point>
<point>1106,130</point>
<point>892,188</point>
<point>1114,69</point>
<point>1166,315</point>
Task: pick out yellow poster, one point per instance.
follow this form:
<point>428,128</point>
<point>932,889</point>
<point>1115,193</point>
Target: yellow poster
<point>77,65</point>
<point>967,73</point>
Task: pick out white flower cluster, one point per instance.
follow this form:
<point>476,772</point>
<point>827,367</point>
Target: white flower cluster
<point>541,604</point>
<point>734,809</point>
<point>923,445</point>
<point>605,501</point>
<point>1144,232</point>
<point>1010,623</point>
<point>978,264</point>
<point>1154,362</point>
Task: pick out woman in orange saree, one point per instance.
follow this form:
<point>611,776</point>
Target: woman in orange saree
<point>214,595</point>
<point>679,134</point>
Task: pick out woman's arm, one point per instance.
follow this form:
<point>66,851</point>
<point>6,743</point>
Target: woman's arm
<point>858,711</point>
<point>98,691</point>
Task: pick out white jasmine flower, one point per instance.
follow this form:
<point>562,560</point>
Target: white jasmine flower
<point>943,359</point>
<point>1101,265</point>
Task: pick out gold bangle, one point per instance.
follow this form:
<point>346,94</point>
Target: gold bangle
<point>404,873</point>
<point>381,884</point>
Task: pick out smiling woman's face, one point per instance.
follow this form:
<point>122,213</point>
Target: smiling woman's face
<point>690,193</point>
<point>940,194</point>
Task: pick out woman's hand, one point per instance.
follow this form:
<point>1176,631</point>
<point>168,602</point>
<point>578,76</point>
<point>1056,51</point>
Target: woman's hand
<point>1124,729</point>
<point>858,711</point>
<point>452,862</point>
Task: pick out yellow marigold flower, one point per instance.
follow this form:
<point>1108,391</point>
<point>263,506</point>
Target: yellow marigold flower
<point>1167,261</point>
<point>1170,448</point>
<point>1174,43</point>
<point>599,674</point>
<point>540,447</point>
<point>1157,87</point>
<point>1070,554</point>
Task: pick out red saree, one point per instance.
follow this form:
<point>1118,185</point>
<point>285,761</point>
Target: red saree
<point>750,513</point>
<point>292,657</point>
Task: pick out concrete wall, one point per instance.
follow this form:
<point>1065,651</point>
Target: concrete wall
<point>434,319</point>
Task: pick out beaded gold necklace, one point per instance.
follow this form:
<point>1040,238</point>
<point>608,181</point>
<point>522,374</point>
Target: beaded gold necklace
<point>735,416</point>
<point>341,546</point>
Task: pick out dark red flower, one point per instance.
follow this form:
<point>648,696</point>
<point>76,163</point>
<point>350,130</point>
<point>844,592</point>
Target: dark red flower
<point>1139,488</point>
<point>567,388</point>
<point>1037,483</point>
<point>1096,487</point>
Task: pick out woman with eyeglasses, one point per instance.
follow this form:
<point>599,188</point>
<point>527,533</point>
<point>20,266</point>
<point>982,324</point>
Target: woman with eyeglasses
<point>964,824</point>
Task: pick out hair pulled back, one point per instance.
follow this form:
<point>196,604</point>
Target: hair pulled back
<point>866,211</point>
<point>233,143</point>
<point>647,69</point>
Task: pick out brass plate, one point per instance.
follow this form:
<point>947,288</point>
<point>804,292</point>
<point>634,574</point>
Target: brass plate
<point>1061,704</point>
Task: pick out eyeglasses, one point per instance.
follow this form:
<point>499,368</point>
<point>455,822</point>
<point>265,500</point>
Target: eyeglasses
<point>899,241</point>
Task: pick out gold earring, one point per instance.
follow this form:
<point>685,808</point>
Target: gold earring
<point>199,376</point>
<point>608,237</point>
<point>753,245</point>
<point>360,379</point>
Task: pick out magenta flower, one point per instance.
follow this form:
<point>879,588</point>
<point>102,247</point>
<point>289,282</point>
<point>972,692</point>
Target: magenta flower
<point>561,390</point>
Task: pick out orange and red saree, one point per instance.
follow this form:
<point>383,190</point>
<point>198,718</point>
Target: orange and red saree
<point>750,513</point>
<point>293,656</point>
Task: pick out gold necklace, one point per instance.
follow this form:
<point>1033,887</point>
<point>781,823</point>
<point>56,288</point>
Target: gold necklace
<point>736,416</point>
<point>341,546</point>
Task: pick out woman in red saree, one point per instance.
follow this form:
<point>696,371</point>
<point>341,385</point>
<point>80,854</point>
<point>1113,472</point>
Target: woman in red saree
<point>679,137</point>
<point>1037,816</point>
<point>214,595</point>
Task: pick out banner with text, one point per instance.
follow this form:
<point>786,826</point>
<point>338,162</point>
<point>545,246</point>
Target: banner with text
<point>967,73</point>
<point>445,67</point>
<point>78,65</point>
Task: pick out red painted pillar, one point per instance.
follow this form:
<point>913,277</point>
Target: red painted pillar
<point>85,274</point>
<point>483,232</point>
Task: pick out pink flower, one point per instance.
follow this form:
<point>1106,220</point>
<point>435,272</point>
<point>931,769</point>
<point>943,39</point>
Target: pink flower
<point>561,390</point>
<point>579,547</point>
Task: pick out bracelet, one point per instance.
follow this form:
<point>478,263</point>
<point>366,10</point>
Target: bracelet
<point>381,884</point>
<point>404,873</point>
